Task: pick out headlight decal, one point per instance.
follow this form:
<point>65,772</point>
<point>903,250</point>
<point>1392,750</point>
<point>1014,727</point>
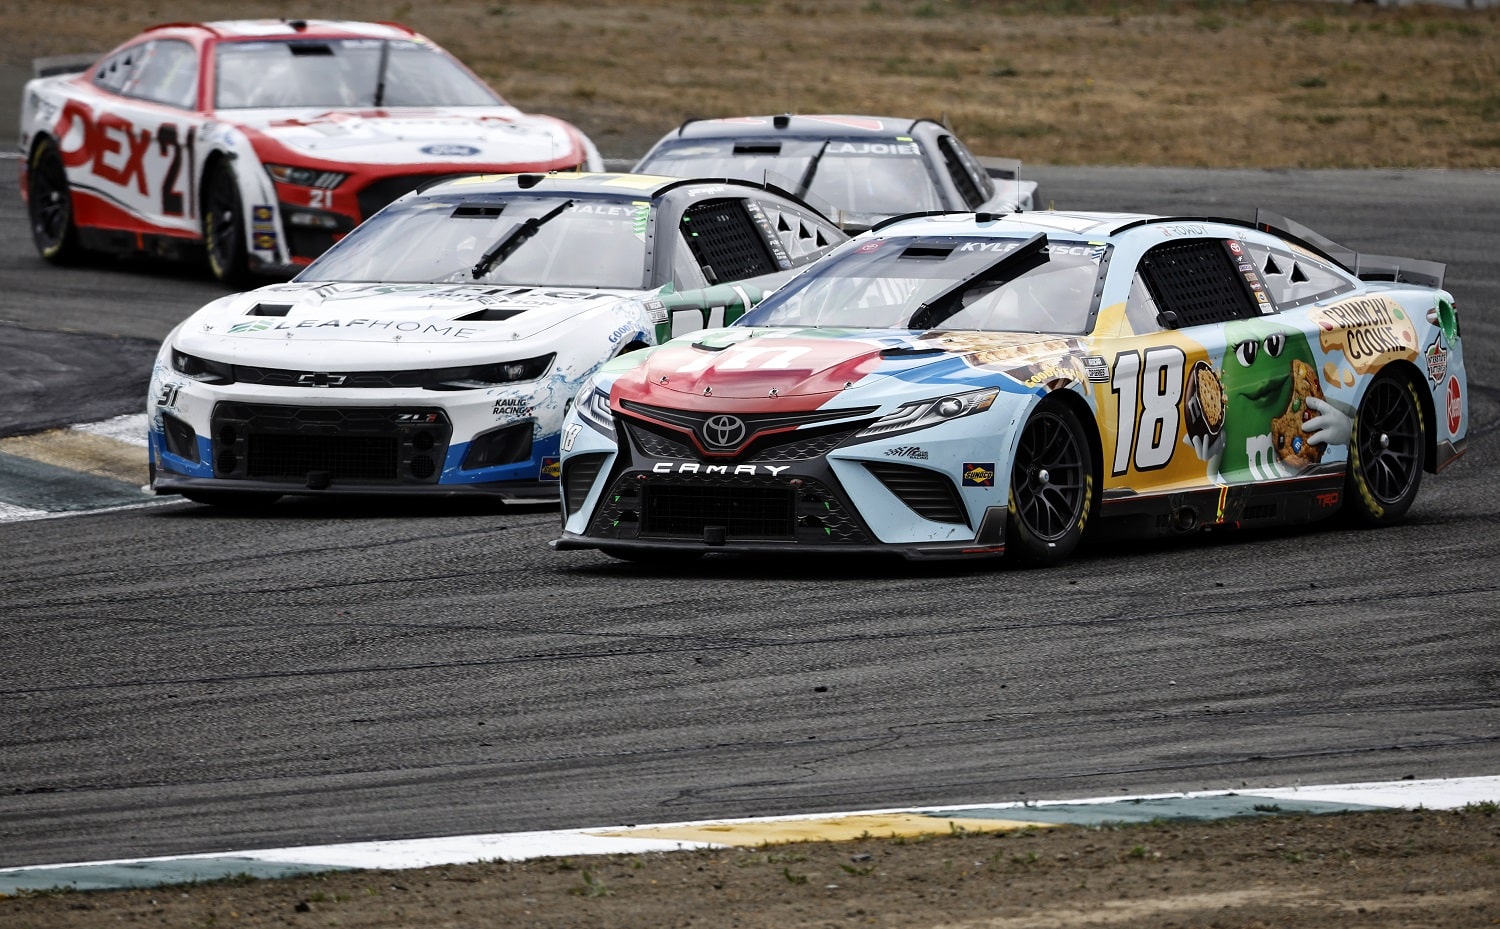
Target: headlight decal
<point>305,177</point>
<point>593,408</point>
<point>472,377</point>
<point>202,369</point>
<point>924,413</point>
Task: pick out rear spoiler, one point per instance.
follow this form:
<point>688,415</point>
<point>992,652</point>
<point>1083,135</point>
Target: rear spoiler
<point>61,64</point>
<point>1365,267</point>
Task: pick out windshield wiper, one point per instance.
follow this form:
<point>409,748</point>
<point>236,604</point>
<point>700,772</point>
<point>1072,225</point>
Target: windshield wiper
<point>385,59</point>
<point>804,185</point>
<point>508,243</point>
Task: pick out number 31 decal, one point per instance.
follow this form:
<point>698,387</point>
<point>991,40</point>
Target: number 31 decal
<point>1149,397</point>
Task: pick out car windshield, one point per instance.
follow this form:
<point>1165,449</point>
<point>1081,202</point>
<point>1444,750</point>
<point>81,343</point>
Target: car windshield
<point>857,175</point>
<point>342,72</point>
<point>569,242</point>
<point>951,282</point>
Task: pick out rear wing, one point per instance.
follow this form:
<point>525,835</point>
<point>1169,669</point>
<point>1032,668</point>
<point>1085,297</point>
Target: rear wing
<point>1365,267</point>
<point>61,64</point>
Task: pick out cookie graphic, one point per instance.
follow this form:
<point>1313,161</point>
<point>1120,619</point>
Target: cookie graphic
<point>1205,401</point>
<point>1286,430</point>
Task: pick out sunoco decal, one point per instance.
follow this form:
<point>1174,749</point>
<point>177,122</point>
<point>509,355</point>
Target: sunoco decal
<point>979,474</point>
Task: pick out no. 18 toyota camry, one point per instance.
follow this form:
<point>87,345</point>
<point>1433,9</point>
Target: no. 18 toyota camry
<point>435,349</point>
<point>260,141</point>
<point>966,384</point>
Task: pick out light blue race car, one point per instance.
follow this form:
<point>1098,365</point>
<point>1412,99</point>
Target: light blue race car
<point>966,384</point>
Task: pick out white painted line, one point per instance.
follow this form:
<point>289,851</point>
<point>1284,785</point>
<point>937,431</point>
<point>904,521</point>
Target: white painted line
<point>130,429</point>
<point>18,514</point>
<point>1434,794</point>
<point>10,513</point>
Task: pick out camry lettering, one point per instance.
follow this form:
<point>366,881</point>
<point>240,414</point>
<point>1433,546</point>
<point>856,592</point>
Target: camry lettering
<point>693,467</point>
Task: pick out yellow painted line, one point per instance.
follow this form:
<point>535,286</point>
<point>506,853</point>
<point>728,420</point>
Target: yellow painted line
<point>77,450</point>
<point>837,829</point>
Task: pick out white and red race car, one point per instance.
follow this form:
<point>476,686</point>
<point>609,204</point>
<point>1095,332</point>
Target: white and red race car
<point>259,142</point>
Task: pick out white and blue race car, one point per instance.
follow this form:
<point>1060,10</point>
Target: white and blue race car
<point>979,384</point>
<point>436,347</point>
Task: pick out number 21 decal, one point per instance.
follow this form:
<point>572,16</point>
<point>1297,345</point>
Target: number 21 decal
<point>1149,399</point>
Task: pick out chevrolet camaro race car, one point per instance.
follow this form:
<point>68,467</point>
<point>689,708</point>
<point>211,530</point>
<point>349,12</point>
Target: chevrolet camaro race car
<point>435,348</point>
<point>957,385</point>
<point>261,142</point>
<point>870,167</point>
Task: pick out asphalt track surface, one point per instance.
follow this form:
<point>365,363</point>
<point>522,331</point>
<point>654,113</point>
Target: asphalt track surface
<point>181,681</point>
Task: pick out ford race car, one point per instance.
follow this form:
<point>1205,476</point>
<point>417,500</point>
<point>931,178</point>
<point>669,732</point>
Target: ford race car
<point>435,348</point>
<point>261,142</point>
<point>870,167</point>
<point>978,385</point>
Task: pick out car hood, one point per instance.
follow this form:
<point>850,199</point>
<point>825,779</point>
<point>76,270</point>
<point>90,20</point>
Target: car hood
<point>401,325</point>
<point>743,368</point>
<point>469,138</point>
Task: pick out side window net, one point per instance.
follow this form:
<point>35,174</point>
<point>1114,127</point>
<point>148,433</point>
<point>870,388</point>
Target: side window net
<point>959,171</point>
<point>1195,283</point>
<point>726,242</point>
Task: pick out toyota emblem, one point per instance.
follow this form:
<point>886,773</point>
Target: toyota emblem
<point>724,431</point>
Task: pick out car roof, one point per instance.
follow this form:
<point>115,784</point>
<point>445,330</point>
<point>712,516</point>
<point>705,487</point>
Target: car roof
<point>816,126</point>
<point>235,29</point>
<point>1097,224</point>
<point>1145,229</point>
<point>584,183</point>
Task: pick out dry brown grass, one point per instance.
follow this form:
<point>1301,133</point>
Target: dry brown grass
<point>1218,83</point>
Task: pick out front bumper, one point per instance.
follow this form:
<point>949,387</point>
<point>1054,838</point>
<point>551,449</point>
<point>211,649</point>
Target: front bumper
<point>820,490</point>
<point>298,441</point>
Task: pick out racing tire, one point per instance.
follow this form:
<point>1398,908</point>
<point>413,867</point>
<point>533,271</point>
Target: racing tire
<point>1387,452</point>
<point>49,205</point>
<point>238,501</point>
<point>1051,488</point>
<point>224,227</point>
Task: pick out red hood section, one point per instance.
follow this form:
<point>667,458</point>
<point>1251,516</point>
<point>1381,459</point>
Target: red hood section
<point>754,373</point>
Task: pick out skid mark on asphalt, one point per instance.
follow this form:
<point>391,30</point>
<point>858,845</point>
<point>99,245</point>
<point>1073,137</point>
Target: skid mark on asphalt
<point>83,468</point>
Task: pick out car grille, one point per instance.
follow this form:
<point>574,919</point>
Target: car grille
<point>793,436</point>
<point>729,508</point>
<point>288,377</point>
<point>743,512</point>
<point>317,446</point>
<point>360,458</point>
